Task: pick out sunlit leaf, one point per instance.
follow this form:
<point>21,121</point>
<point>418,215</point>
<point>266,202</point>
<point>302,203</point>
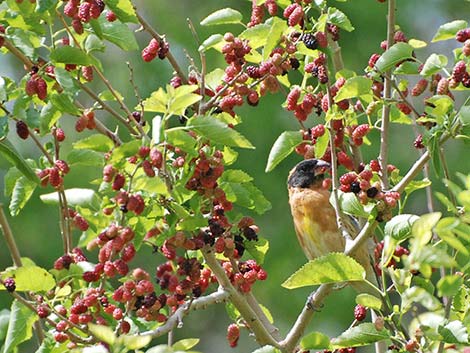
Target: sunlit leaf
<point>399,227</point>
<point>103,333</point>
<point>315,340</point>
<point>12,156</point>
<point>369,301</point>
<point>360,335</point>
<point>454,332</point>
<point>394,55</point>
<point>218,132</point>
<point>75,197</point>
<point>338,18</point>
<point>222,16</point>
<point>283,147</point>
<point>354,87</point>
<point>331,268</point>
<point>20,326</point>
<point>449,30</point>
<point>434,63</point>
<point>449,285</point>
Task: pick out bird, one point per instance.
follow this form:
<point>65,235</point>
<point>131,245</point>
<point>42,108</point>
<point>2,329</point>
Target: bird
<point>314,217</point>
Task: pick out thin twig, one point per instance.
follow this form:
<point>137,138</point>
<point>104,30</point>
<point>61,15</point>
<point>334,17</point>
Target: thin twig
<point>383,156</point>
<point>10,239</point>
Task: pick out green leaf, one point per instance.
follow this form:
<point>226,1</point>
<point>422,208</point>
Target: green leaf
<point>408,68</point>
<point>70,55</point>
<point>354,87</point>
<point>417,44</point>
<point>421,296</point>
<point>417,185</point>
<point>235,176</point>
<point>211,42</point>
<point>32,278</point>
<point>338,18</point>
<point>97,143</point>
<point>123,9</point>
<point>274,36</point>
<point>218,132</point>
<point>449,285</point>
<point>321,144</point>
<point>75,197</point>
<point>102,333</point>
<point>185,344</point>
<point>48,117</point>
<point>360,335</point>
<point>125,150</point>
<point>45,5</point>
<point>85,157</point>
<point>369,301</point>
<point>350,204</point>
<point>399,227</point>
<point>283,147</point>
<point>315,340</point>
<point>222,16</point>
<point>422,228</point>
<point>397,53</point>
<point>331,268</point>
<point>11,155</point>
<point>258,249</point>
<point>4,319</point>
<point>256,35</point>
<point>449,30</point>
<point>94,43</point>
<point>464,114</point>
<point>22,192</point>
<point>64,103</point>
<point>119,34</point>
<point>64,78</point>
<point>182,98</point>
<point>20,326</point>
<point>134,342</point>
<point>181,139</point>
<point>453,332</point>
<point>434,63</point>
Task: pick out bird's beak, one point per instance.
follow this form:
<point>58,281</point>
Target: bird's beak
<point>322,167</point>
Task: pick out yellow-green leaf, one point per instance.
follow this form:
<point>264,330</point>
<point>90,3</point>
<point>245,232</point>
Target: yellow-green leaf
<point>331,268</point>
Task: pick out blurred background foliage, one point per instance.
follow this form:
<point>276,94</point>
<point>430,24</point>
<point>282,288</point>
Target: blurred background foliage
<point>36,228</point>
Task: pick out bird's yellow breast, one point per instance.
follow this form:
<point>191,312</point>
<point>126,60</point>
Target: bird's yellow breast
<point>315,221</point>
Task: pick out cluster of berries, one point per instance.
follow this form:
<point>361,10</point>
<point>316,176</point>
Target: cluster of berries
<point>206,172</point>
<point>83,12</point>
<point>36,85</point>
<point>86,121</point>
<point>398,253</point>
<point>155,48</point>
<point>257,11</point>
<point>116,251</point>
<point>54,175</point>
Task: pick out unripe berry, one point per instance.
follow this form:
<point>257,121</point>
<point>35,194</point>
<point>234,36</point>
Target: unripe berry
<point>233,334</point>
<point>10,284</point>
<point>360,312</point>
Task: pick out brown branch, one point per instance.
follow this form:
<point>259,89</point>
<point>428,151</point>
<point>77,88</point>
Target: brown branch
<point>176,319</point>
<point>239,301</point>
<point>383,156</point>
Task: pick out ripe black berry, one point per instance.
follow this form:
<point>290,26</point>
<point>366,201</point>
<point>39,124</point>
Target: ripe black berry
<point>372,192</point>
<point>309,40</point>
<point>9,284</point>
<point>355,187</point>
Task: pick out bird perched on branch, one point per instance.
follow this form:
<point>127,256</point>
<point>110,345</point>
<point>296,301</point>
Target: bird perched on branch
<point>315,218</point>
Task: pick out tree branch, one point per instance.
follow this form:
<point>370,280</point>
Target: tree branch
<point>176,319</point>
<point>239,300</point>
<point>383,156</point>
